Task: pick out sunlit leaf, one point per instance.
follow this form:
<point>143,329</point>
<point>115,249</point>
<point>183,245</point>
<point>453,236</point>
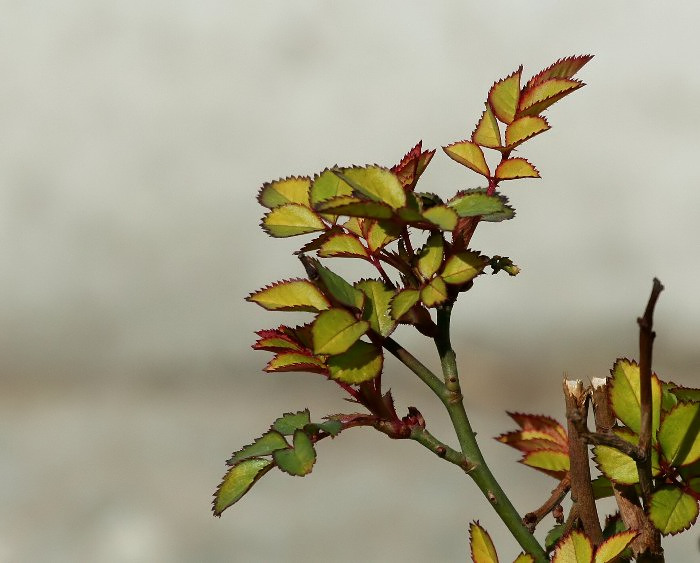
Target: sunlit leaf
<point>265,445</point>
<point>487,133</point>
<point>575,547</point>
<point>403,301</point>
<point>355,207</point>
<point>504,95</point>
<point>343,245</point>
<point>338,288</point>
<point>470,203</point>
<point>551,462</point>
<point>362,362</point>
<point>463,266</point>
<point>298,460</point>
<point>539,97</point>
<point>434,292</point>
<point>290,422</point>
<point>354,225</point>
<point>290,295</point>
<point>238,481</point>
<point>513,168</point>
<point>470,155</point>
<point>290,220</point>
<point>481,546</point>
<point>679,435</point>
<point>524,128</point>
<point>327,185</point>
<point>442,216</point>
<point>376,183</point>
<point>335,330</point>
<point>672,510</point>
<point>376,310</point>
<point>625,396</point>
<point>289,190</point>
<point>563,68</point>
<point>381,233</point>
<point>295,361</point>
<point>430,256</point>
<point>619,467</point>
<point>613,546</point>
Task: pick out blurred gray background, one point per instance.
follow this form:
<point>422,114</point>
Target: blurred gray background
<point>134,137</point>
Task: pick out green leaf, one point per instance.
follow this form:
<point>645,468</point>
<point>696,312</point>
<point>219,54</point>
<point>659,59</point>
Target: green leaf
<point>376,183</point>
<point>481,546</point>
<point>554,535</point>
<point>290,295</point>
<point>300,459</point>
<point>470,203</point>
<point>470,155</point>
<point>289,190</point>
<point>290,422</point>
<point>341,290</point>
<point>602,487</point>
<point>296,361</point>
<point>343,245</point>
<point>463,267</point>
<point>434,292</point>
<point>332,427</point>
<point>537,98</point>
<point>265,445</point>
<point>290,220</point>
<point>238,481</point>
<point>613,546</point>
<point>620,467</point>
<point>442,216</point>
<point>625,396</point>
<point>668,399</point>
<point>381,233</point>
<point>326,186</point>
<point>671,510</point>
<point>679,435</point>
<point>355,207</point>
<point>362,362</point>
<point>430,256</point>
<point>523,129</point>
<point>686,394</point>
<point>514,168</point>
<point>487,133</point>
<point>575,547</point>
<point>403,301</point>
<point>335,330</point>
<point>504,95</point>
<point>376,310</point>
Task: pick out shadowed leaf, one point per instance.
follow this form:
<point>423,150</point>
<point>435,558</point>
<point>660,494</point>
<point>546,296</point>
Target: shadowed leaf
<point>290,422</point>
<point>430,256</point>
<point>381,233</point>
<point>343,245</point>
<point>563,68</point>
<point>470,203</point>
<point>403,301</point>
<point>434,292</point>
<point>377,306</point>
<point>265,445</point>
<point>625,396</point>
<point>238,481</point>
<point>679,435</point>
<point>442,216</point>
<point>362,362</point>
<point>300,459</point>
<point>463,267</point>
<point>338,288</point>
<point>412,166</point>
<point>335,330</point>
<point>539,97</point>
<point>355,207</point>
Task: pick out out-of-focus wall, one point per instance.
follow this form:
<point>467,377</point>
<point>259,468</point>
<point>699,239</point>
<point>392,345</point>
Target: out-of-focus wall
<point>133,139</point>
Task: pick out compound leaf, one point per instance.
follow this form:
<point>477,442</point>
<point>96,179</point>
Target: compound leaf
<point>288,190</point>
<point>300,459</point>
<point>338,288</point>
<point>463,266</point>
<point>523,129</point>
<point>362,362</point>
<point>563,68</point>
<point>335,331</point>
<point>504,95</point>
<point>671,510</point>
<point>482,548</point>
<point>376,310</point>
<point>376,183</point>
<point>238,481</point>
<point>470,155</point>
<point>679,435</point>
<point>513,168</point>
<point>290,295</point>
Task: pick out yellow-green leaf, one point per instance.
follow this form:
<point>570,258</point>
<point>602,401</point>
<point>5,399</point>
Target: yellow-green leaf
<point>672,510</point>
<point>292,219</point>
<point>289,190</point>
<point>376,183</point>
<point>537,98</point>
<point>444,217</point>
<point>362,362</point>
<point>524,128</point>
<point>470,155</point>
<point>326,186</point>
<point>482,548</point>
<point>613,546</point>
<point>335,330</point>
<point>625,396</point>
<point>524,558</point>
<point>295,361</point>
<point>381,233</point>
<point>487,133</point>
<point>513,168</point>
<point>679,435</point>
<point>463,266</point>
<point>434,292</point>
<point>619,467</point>
<point>300,459</point>
<point>238,481</point>
<point>403,301</point>
<point>355,207</point>
<point>552,462</point>
<point>343,244</point>
<point>504,96</point>
<point>563,68</point>
<point>430,256</point>
<point>290,295</point>
<point>354,225</point>
<point>470,203</point>
<point>575,547</point>
<point>338,288</point>
<point>377,306</point>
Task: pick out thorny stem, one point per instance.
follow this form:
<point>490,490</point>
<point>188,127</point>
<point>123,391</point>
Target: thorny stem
<point>480,473</point>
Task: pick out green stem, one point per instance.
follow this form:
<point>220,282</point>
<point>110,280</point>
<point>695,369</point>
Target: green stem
<point>480,472</point>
